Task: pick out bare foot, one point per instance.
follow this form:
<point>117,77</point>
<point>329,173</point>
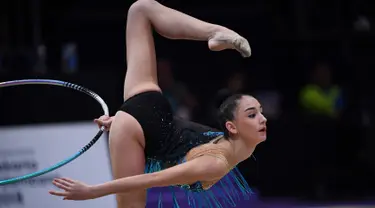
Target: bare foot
<point>229,40</point>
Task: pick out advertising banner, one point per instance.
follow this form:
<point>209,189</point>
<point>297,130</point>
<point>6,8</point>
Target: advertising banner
<point>26,149</point>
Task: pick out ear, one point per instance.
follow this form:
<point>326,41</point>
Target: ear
<point>231,127</point>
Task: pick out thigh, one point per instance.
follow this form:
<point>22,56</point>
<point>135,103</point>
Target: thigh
<point>126,144</point>
<point>141,74</point>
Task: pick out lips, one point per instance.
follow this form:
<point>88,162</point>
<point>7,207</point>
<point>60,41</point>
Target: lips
<point>264,129</point>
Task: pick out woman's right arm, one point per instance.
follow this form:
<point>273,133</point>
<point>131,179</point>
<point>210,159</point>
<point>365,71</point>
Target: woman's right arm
<point>204,168</point>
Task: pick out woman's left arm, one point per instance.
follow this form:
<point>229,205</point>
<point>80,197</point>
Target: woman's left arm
<point>200,169</point>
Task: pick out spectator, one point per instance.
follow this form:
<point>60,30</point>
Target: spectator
<point>321,96</point>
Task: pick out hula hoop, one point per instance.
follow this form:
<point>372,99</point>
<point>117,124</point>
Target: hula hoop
<point>82,150</point>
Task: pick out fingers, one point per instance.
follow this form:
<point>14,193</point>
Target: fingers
<point>68,180</point>
<point>61,185</point>
<point>103,118</point>
<point>98,121</point>
<point>64,194</point>
<point>58,193</point>
<point>102,121</point>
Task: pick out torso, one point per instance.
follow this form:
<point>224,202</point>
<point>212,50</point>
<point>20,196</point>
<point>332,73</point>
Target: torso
<point>187,141</point>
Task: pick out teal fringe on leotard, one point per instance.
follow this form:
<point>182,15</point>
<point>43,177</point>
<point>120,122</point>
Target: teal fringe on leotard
<point>225,193</point>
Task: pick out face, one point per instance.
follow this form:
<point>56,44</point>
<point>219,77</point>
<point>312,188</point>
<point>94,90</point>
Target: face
<point>249,123</point>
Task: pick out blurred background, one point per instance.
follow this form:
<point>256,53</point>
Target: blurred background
<point>310,69</point>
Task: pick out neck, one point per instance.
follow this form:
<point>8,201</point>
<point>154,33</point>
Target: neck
<point>242,151</point>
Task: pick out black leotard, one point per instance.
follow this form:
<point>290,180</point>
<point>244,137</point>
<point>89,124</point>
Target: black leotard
<point>168,138</point>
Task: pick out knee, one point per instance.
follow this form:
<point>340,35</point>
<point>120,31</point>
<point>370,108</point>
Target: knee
<point>140,7</point>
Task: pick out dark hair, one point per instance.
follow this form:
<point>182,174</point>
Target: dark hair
<point>226,112</point>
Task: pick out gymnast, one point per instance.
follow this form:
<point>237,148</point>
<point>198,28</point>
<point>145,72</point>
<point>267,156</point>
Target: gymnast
<point>149,147</point>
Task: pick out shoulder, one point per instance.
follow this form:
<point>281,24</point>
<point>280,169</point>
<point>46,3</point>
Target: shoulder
<point>212,159</point>
<point>220,156</point>
<point>213,167</point>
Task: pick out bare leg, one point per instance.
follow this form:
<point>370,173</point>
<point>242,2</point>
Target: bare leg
<point>147,14</point>
<point>126,145</point>
<point>173,24</point>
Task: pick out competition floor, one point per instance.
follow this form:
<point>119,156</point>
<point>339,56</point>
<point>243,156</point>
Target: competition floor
<point>256,202</point>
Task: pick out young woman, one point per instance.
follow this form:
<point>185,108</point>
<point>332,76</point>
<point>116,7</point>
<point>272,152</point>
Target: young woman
<point>149,147</point>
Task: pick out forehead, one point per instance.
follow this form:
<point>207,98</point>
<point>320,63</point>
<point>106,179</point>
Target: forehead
<point>248,102</point>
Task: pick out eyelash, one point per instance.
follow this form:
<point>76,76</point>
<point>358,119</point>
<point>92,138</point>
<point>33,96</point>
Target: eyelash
<point>252,115</point>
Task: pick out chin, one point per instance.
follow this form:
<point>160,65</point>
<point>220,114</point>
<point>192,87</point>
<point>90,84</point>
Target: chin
<point>261,139</point>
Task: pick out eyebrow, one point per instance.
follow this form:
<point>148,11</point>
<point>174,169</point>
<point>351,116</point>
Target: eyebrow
<point>252,108</point>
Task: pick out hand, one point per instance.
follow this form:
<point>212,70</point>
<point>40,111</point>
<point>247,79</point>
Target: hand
<point>105,121</point>
<point>73,190</point>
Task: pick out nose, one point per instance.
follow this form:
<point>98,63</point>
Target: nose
<point>263,119</point>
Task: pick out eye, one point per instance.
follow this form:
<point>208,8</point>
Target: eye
<point>252,115</point>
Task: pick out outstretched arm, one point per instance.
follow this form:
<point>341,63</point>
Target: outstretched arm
<point>200,169</point>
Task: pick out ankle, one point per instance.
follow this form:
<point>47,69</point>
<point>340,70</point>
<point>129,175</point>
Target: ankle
<point>219,31</point>
<point>215,30</point>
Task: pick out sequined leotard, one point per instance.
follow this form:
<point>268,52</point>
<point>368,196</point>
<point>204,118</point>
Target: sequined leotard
<point>171,141</point>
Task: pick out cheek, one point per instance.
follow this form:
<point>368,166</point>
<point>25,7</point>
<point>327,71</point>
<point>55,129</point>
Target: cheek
<point>249,127</point>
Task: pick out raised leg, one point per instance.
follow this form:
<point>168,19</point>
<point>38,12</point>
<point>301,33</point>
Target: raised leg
<point>144,15</point>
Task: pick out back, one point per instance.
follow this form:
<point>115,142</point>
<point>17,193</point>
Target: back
<point>188,135</point>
